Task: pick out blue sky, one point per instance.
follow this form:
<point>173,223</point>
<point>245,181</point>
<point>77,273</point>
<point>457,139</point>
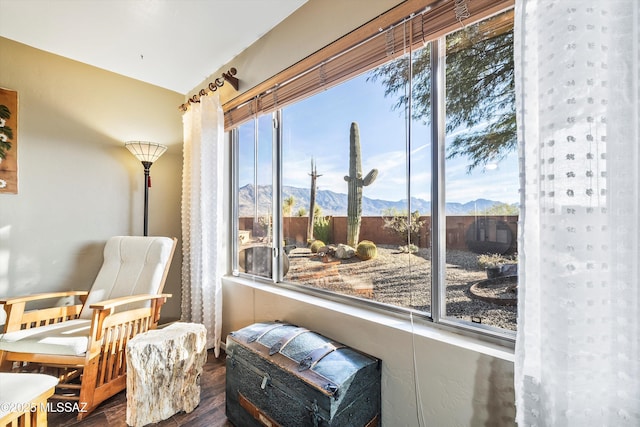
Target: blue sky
<point>318,128</point>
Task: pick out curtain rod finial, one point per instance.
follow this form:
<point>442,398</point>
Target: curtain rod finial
<point>228,76</point>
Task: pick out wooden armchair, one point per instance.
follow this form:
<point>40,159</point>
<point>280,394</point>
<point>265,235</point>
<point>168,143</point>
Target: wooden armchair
<point>84,345</point>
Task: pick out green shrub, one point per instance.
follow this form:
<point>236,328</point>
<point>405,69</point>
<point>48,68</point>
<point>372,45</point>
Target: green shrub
<point>399,223</point>
<point>322,228</point>
<point>408,249</point>
<point>317,244</point>
<point>366,249</point>
<point>495,260</point>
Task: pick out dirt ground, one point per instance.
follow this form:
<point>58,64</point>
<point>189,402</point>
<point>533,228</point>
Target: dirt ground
<point>403,280</point>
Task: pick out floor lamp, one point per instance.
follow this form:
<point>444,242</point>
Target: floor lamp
<point>147,153</point>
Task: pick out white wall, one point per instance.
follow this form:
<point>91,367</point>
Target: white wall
<point>78,185</point>
<point>460,381</point>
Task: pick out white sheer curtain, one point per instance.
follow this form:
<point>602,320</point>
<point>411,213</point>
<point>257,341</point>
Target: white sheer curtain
<point>202,226</point>
<point>578,340</point>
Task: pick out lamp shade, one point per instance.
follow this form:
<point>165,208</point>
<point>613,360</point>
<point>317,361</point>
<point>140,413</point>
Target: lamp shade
<point>146,151</point>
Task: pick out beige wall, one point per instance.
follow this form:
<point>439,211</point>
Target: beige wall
<point>314,25</point>
<point>78,185</point>
<point>461,382</point>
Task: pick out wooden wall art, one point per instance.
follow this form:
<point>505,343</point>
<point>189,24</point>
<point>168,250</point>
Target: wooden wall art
<point>8,141</point>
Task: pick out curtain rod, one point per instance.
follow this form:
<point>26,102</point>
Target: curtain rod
<point>213,86</point>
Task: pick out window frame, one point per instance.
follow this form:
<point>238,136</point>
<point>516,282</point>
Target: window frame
<point>437,316</point>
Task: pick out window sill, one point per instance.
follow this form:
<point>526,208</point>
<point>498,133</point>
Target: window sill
<point>402,322</point>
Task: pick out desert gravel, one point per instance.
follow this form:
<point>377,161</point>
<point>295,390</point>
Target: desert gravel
<point>403,280</point>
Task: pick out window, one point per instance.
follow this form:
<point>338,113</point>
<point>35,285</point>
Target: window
<point>254,196</point>
<point>394,186</point>
<point>481,174</point>
<point>352,131</point>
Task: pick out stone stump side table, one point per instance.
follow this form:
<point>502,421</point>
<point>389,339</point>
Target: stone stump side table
<point>163,372</point>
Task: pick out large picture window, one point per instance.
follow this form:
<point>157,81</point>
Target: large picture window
<point>395,186</point>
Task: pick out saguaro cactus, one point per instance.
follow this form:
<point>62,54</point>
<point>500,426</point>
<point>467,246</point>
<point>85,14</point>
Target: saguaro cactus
<point>355,182</point>
<point>312,201</point>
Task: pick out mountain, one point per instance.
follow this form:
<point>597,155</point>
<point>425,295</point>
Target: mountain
<point>336,203</point>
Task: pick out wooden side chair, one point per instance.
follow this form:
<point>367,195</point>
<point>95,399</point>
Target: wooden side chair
<point>84,345</point>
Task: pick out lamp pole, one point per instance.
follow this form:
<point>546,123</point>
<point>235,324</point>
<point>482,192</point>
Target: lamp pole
<point>147,184</point>
<point>147,153</point>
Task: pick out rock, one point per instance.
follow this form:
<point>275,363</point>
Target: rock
<point>163,372</point>
<point>324,250</point>
<point>509,270</point>
<point>344,251</point>
<point>328,258</point>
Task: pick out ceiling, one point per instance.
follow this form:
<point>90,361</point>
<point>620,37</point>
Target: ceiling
<point>174,44</point>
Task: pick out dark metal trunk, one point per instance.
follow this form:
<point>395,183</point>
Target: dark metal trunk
<point>283,375</point>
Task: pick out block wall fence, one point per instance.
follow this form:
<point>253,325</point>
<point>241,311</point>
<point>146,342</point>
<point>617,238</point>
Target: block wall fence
<point>463,232</point>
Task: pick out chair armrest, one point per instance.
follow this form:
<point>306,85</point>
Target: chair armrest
<point>104,316</point>
<point>38,297</point>
<point>115,302</point>
<point>18,318</point>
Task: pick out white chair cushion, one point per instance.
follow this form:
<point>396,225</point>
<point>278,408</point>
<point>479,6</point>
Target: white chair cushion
<point>22,389</point>
<point>132,265</point>
<point>69,338</point>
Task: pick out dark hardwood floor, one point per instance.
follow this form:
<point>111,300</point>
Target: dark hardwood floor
<point>210,412</point>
